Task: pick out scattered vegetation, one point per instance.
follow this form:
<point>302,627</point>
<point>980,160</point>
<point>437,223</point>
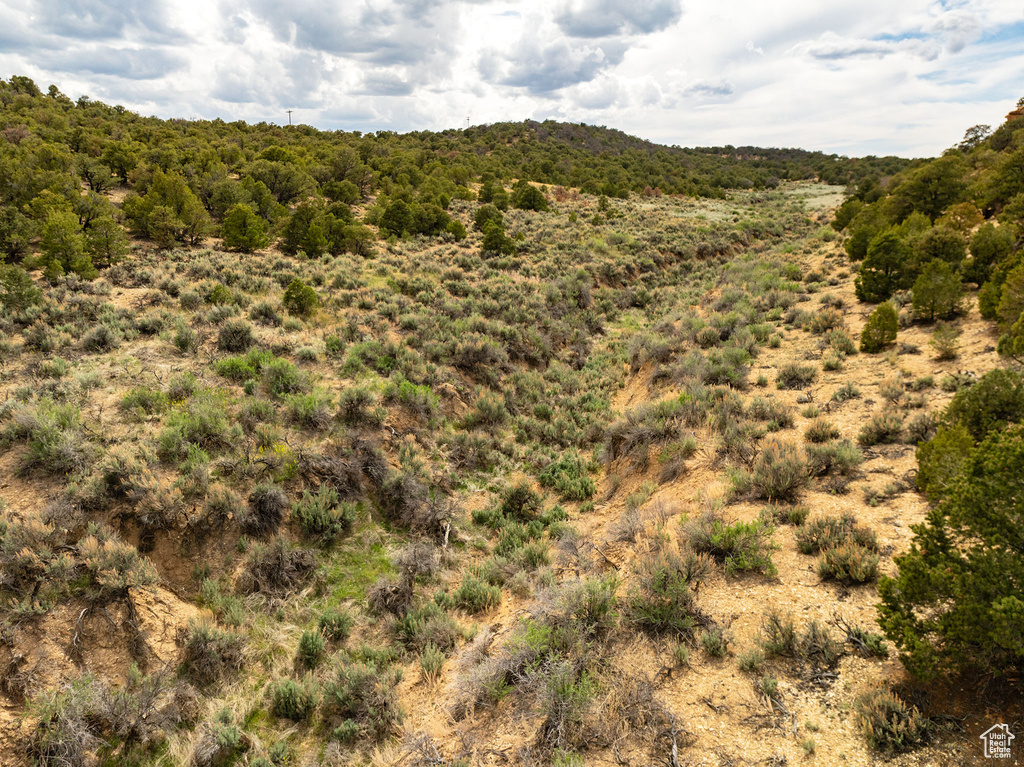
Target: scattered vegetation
<point>411,390</point>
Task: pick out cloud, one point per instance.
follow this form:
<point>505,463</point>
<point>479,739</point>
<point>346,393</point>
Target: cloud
<point>601,94</point>
<point>391,32</point>
<point>956,28</point>
<point>15,33</point>
<point>130,64</point>
<point>710,89</point>
<point>831,46</point>
<point>102,19</point>
<point>543,69</point>
<point>606,18</point>
<point>385,83</point>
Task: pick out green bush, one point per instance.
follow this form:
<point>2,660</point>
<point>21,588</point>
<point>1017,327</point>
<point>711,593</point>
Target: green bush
<point>427,625</point>
<point>432,661</point>
<point>841,342</point>
<point>100,339</point>
<point>365,694</point>
<point>846,392</point>
<point>825,532</point>
<point>714,642</point>
<point>356,407</point>
<point>282,377</point>
<point>310,411</point>
<point>240,369</point>
<point>143,401</point>
<point>568,476</point>
<point>202,422</point>
<point>488,411</point>
<point>840,457</point>
<point>300,299</point>
<point>821,430</point>
<point>321,515</point>
<point>311,649</point>
<point>293,700</point>
<point>520,503</point>
<point>209,653</point>
<point>475,596</point>
<point>335,625</point>
<point>779,635</point>
<point>741,546</point>
<point>880,330</point>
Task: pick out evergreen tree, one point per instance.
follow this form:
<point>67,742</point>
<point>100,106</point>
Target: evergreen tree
<point>244,230</point>
<point>63,248</point>
<point>882,272</point>
<point>937,292</point>
<point>958,601</point>
<point>880,330</point>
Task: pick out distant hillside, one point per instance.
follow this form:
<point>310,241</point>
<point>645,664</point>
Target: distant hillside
<point>605,160</point>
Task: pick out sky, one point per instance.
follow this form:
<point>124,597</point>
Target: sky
<point>903,77</point>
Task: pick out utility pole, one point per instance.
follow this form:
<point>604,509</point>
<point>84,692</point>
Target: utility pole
<point>289,117</point>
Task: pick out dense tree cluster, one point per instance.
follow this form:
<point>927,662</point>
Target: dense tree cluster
<point>936,225</point>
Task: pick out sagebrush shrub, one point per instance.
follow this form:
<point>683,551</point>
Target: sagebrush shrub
<point>795,376</point>
<point>889,724</point>
<point>883,428</point>
<point>335,625</point>
<point>365,694</point>
<point>661,599</point>
<point>322,516</point>
<point>211,652</point>
<point>826,532</point>
<point>848,563</point>
<point>267,504</point>
<point>779,472</point>
<point>568,476</point>
<point>740,546</point>
<point>821,430</point>
<point>235,336</point>
<point>475,596</point>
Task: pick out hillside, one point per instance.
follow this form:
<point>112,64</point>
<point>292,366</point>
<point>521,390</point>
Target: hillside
<point>472,448</point>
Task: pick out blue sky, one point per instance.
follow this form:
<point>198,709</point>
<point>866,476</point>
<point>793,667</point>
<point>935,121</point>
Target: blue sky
<point>870,77</point>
